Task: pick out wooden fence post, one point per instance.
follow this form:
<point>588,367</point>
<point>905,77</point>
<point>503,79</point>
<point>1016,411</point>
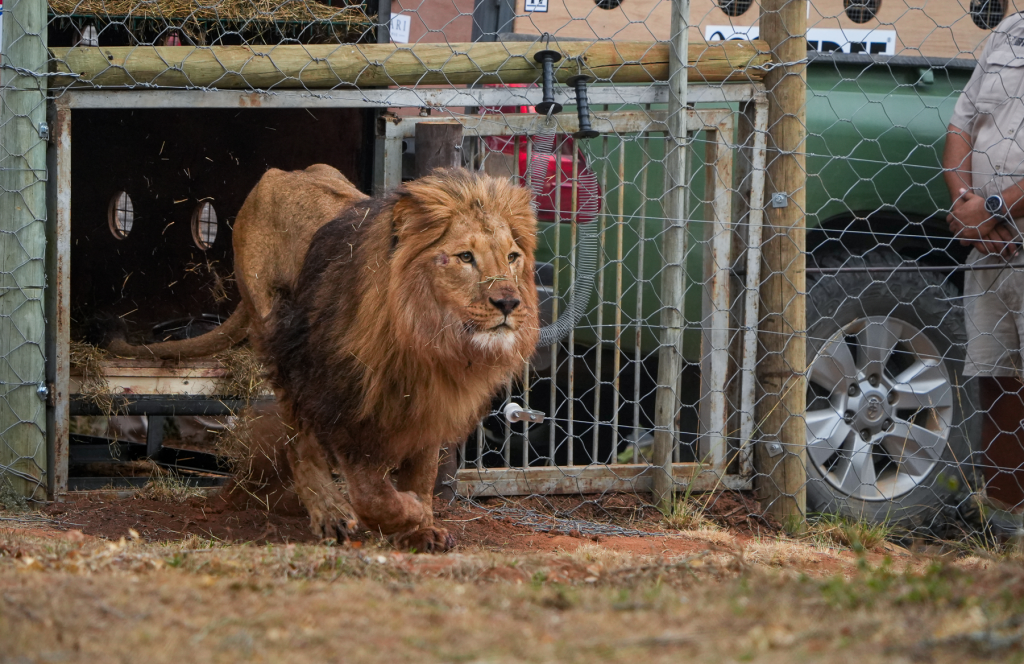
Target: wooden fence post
<point>781,457</point>
<point>23,456</point>
<point>439,145</point>
<point>673,280</point>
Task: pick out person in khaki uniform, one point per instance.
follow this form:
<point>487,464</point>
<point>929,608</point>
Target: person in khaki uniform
<point>983,166</point>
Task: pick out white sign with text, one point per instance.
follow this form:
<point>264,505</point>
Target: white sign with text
<point>400,26</point>
<point>536,5</point>
<point>825,40</point>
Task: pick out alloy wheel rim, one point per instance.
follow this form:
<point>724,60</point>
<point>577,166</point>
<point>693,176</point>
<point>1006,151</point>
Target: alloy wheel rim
<point>879,409</point>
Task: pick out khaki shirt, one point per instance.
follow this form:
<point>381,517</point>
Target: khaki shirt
<point>991,110</point>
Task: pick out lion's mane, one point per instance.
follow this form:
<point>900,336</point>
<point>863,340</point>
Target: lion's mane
<point>362,352</point>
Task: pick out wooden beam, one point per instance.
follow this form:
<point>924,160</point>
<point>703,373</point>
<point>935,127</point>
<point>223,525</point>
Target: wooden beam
<point>596,479</point>
<point>781,458</point>
<point>378,65</point>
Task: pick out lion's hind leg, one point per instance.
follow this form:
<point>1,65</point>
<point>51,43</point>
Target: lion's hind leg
<point>330,514</point>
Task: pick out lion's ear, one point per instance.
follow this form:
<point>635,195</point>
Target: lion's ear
<point>413,218</point>
<point>522,220</point>
<point>402,211</point>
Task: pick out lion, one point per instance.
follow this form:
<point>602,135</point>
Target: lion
<point>387,326</point>
<point>408,315</point>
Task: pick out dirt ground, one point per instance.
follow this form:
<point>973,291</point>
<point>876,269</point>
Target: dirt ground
<point>108,578</point>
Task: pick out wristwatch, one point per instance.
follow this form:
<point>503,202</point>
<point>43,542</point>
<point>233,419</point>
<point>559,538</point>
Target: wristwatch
<point>995,206</point>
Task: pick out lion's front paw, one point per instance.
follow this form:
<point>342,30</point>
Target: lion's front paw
<point>332,523</point>
<point>425,540</point>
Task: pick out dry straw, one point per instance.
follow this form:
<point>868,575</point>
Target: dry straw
<point>224,10</point>
<point>87,361</point>
<point>244,377</point>
<point>344,24</point>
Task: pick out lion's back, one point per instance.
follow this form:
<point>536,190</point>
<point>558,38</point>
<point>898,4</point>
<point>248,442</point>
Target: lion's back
<point>277,222</point>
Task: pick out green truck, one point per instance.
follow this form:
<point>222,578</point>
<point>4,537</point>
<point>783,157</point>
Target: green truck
<point>889,413</point>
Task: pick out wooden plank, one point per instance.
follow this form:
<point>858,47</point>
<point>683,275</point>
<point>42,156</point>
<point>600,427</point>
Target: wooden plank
<point>149,377</point>
<point>152,367</point>
<point>597,479</point>
<point>782,475</point>
<point>379,65</point>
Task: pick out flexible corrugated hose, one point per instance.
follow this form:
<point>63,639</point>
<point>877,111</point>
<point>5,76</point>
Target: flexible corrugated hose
<point>586,239</point>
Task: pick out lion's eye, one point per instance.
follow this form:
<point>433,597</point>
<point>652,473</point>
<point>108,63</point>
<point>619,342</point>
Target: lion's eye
<point>466,256</point>
<point>513,257</point>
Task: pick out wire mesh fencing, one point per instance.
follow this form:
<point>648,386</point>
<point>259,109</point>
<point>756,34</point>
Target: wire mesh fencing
<point>748,279</point>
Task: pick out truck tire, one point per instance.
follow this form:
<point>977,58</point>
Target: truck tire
<point>889,414</point>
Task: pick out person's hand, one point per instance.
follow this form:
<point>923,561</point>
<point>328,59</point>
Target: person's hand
<point>973,225</point>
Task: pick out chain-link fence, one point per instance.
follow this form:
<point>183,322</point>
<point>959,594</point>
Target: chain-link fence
<point>748,280</point>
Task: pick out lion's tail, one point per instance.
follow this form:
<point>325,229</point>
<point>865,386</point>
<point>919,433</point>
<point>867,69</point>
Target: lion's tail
<point>224,336</point>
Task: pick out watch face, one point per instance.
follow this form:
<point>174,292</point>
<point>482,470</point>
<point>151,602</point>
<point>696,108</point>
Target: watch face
<point>994,204</point>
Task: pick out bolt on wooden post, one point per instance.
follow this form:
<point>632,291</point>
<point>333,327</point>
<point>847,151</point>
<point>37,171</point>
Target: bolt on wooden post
<point>781,456</point>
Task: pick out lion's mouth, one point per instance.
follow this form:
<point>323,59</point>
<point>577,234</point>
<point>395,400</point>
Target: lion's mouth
<point>472,328</point>
<point>498,339</point>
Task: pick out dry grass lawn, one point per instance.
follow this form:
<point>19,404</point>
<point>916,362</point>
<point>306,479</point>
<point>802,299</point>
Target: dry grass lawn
<point>695,596</point>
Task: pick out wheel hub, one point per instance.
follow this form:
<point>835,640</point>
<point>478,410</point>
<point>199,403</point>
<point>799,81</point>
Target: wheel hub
<point>872,410</point>
<point>883,403</point>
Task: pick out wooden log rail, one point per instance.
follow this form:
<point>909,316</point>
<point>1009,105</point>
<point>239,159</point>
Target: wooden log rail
<point>377,65</point>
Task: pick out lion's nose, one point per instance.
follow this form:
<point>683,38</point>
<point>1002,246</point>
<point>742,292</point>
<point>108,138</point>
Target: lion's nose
<point>506,305</point>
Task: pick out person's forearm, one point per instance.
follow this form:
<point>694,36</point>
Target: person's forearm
<point>956,163</point>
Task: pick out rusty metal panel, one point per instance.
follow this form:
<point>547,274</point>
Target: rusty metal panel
<point>59,302</point>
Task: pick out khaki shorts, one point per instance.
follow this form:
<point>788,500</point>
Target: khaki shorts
<point>994,317</point>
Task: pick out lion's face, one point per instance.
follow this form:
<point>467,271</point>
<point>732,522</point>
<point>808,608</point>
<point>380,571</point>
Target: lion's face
<point>480,275</point>
<point>478,267</point>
